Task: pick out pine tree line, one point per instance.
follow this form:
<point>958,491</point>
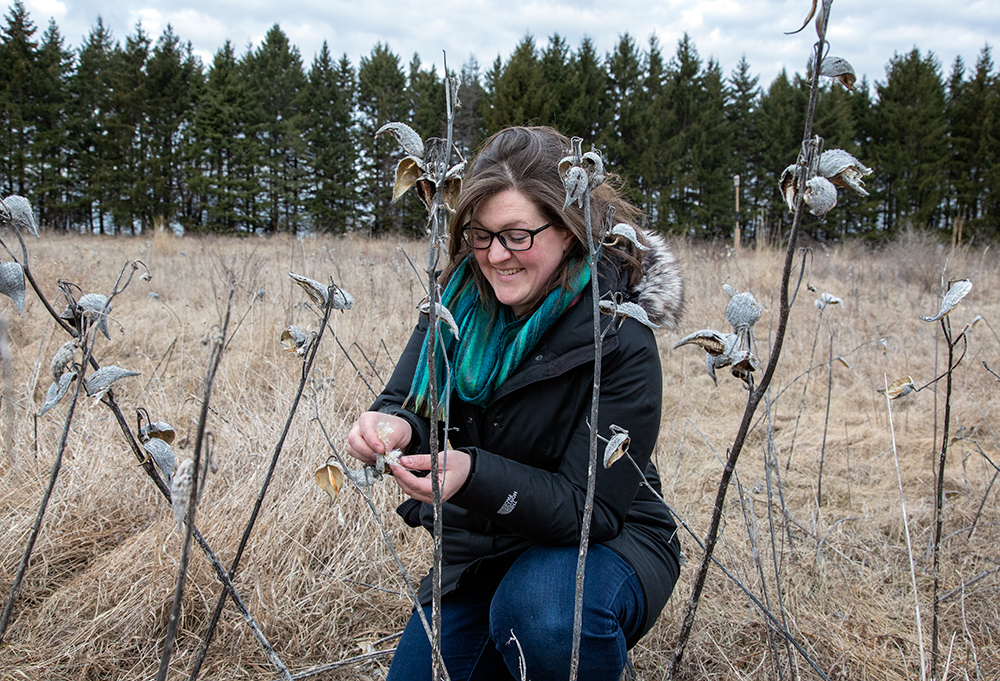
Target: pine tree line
<point>121,137</point>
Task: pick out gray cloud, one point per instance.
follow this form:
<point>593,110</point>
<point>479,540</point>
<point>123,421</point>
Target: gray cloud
<point>865,32</point>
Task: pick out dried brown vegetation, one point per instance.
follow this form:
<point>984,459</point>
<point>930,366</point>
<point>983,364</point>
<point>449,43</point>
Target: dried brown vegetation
<point>318,578</point>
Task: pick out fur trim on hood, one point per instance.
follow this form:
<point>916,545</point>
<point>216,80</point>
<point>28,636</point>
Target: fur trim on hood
<point>660,292</point>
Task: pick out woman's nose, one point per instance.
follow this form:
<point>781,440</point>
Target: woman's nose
<point>498,252</point>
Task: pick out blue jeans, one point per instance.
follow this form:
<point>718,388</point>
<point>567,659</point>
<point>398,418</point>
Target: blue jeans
<point>484,634</point>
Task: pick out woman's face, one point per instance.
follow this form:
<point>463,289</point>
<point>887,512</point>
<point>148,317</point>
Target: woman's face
<point>518,276</point>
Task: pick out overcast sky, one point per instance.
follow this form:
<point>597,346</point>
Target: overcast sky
<point>865,32</point>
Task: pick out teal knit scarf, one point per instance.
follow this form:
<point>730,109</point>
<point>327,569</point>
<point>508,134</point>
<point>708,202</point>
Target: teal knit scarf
<point>489,347</point>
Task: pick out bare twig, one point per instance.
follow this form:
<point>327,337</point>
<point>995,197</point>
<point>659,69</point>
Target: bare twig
<point>307,366</point>
<point>192,503</point>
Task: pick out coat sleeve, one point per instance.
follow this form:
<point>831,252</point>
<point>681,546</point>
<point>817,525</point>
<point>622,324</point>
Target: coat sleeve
<point>547,506</point>
<point>392,398</point>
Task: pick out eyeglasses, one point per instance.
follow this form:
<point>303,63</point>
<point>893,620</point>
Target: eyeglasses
<point>511,239</point>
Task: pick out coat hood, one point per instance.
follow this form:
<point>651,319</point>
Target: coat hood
<point>660,292</point>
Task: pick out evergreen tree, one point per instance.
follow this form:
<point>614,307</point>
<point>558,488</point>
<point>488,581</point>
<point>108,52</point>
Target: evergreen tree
<point>174,84</point>
<point>221,168</point>
<point>52,139</point>
<point>910,146</point>
<point>275,78</point>
<point>518,91</point>
<point>782,120</point>
<point>382,98</point>
<point>743,112</point>
<point>468,129</point>
<point>557,70</point>
<point>973,128</point>
<point>327,126</point>
<point>19,101</point>
<point>586,114</point>
<point>90,111</point>
<point>623,139</point>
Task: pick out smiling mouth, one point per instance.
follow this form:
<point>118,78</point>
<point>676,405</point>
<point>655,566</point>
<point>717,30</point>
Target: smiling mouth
<point>507,273</point>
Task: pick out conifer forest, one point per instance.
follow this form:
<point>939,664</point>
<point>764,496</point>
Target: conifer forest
<point>122,135</point>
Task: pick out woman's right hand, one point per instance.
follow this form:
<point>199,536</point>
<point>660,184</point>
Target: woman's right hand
<point>364,443</point>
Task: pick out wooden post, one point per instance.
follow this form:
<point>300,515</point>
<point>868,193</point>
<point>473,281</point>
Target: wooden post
<point>736,235</point>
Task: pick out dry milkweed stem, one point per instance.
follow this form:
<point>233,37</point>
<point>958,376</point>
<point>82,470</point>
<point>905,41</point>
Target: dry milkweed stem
<point>215,358</point>
<point>307,366</point>
<point>811,148</point>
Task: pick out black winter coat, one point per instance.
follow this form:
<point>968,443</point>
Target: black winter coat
<point>530,453</point>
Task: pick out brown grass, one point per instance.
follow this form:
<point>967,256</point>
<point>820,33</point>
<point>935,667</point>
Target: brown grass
<point>318,579</point>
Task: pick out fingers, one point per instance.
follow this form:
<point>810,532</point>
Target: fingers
<point>453,472</point>
<point>365,439</point>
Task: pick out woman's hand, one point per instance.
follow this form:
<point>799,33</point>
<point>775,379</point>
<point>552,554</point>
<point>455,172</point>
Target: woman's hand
<point>364,443</point>
<point>453,471</point>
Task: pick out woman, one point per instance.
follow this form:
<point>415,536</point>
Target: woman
<point>514,479</point>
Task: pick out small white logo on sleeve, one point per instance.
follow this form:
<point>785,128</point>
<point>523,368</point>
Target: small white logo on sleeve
<point>509,504</point>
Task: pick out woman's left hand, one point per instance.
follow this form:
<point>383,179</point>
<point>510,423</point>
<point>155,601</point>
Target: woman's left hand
<point>453,471</point>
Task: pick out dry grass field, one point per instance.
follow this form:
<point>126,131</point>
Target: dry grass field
<point>321,582</point>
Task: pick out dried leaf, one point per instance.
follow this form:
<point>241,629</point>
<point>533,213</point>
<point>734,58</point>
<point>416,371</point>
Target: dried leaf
<point>56,391</point>
<point>330,478</point>
<point>407,137</point>
<point>843,361</point>
<point>21,215</point>
<point>952,298</point>
<point>12,283</point>
<point>806,22</point>
<point>98,382</point>
<point>180,490</point>
<point>162,455</point>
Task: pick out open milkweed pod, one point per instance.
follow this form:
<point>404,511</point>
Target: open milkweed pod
<point>952,298</point>
<point>840,69</point>
<point>57,391</point>
<point>293,339</point>
<point>617,446</point>
<point>821,195</point>
<point>843,170</point>
<point>330,478</point>
<point>161,430</point>
<point>901,387</point>
<point>98,382</point>
<point>92,305</point>
<point>162,455</point>
<point>407,137</point>
<point>19,213</point>
<point>180,490</point>
<point>12,283</point>
<point>624,231</point>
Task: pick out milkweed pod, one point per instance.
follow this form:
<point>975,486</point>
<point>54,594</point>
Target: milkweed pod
<point>901,387</point>
<point>330,478</point>
<point>12,283</point>
<point>408,171</point>
<point>161,430</point>
<point>617,446</point>
<point>20,214</point>
<point>162,455</point>
<point>575,181</point>
<point>840,69</point>
<point>56,391</point>
<point>407,137</point>
<point>63,358</point>
<point>443,315</point>
<point>293,339</point>
<point>180,490</point>
<point>316,291</point>
<point>624,231</point>
<point>98,382</point>
<point>742,310</point>
<point>952,298</point>
<point>789,183</point>
<point>92,305</point>
<point>627,309</point>
<point>821,195</point>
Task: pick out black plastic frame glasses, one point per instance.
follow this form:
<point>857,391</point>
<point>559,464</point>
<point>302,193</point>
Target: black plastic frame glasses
<point>511,239</point>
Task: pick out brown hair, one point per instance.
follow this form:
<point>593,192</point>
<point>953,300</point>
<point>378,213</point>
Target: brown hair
<point>526,159</point>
